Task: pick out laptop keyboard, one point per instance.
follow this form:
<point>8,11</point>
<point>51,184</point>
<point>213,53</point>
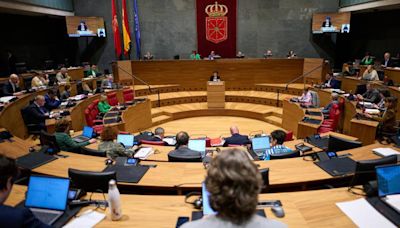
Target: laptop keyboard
<point>47,217</point>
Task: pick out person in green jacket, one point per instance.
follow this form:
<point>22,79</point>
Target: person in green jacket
<point>64,141</point>
<point>103,105</point>
<point>195,56</point>
<point>367,60</point>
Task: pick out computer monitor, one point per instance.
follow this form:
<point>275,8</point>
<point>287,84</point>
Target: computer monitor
<point>126,140</point>
<point>388,178</point>
<point>47,193</point>
<point>365,170</point>
<point>260,143</point>
<point>207,210</point>
<point>336,144</point>
<point>198,145</point>
<point>87,131</point>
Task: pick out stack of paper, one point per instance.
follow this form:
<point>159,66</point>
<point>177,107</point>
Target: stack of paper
<point>144,153</point>
<point>372,111</point>
<point>88,219</point>
<point>384,152</point>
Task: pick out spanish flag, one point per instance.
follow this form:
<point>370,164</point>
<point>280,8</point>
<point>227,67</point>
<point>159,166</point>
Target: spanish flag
<point>126,34</point>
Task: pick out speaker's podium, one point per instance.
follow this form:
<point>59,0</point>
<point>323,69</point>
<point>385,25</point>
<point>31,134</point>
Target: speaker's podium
<point>216,95</point>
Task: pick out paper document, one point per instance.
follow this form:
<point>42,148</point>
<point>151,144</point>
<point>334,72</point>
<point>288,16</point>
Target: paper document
<point>89,218</point>
<point>6,99</point>
<point>372,111</point>
<point>170,141</point>
<point>144,153</point>
<point>384,152</point>
<point>363,214</point>
<point>394,201</point>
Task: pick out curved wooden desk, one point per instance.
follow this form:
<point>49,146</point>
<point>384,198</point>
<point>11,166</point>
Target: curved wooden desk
<point>302,209</point>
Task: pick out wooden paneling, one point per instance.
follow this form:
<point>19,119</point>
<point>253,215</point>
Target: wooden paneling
<point>292,115</point>
<point>320,69</point>
<point>235,72</point>
<point>76,74</point>
<point>137,117</point>
<point>216,94</point>
<point>394,74</point>
<point>121,70</point>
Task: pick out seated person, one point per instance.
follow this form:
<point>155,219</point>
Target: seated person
<point>13,216</point>
<point>52,101</point>
<point>236,138</point>
<point>158,136</point>
<point>92,72</point>
<point>348,69</point>
<point>215,77</point>
<point>268,54</point>
<point>11,87</point>
<point>148,56</point>
<point>64,140</point>
<point>371,95</point>
<point>277,139</point>
<point>66,93</point>
<point>234,184</point>
<point>370,74</point>
<point>112,148</point>
<point>182,150</point>
<point>383,93</point>
<point>212,55</point>
<point>108,82</point>
<point>387,61</point>
<point>40,80</point>
<point>331,82</point>
<point>240,55</point>
<point>388,119</point>
<point>306,97</point>
<point>334,100</point>
<point>367,60</point>
<point>387,81</point>
<point>103,105</point>
<point>37,114</point>
<point>62,76</point>
<point>195,56</point>
<point>291,55</point>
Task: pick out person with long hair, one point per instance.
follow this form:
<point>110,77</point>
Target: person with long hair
<point>112,148</point>
<point>234,183</point>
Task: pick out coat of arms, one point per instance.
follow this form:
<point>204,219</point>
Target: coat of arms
<point>216,23</point>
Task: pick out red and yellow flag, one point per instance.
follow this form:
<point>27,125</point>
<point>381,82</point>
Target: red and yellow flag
<point>126,34</point>
<point>117,38</point>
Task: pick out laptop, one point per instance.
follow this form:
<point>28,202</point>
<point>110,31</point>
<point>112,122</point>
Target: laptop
<point>259,145</point>
<point>86,135</point>
<point>126,140</point>
<point>47,197</point>
<point>388,177</point>
<point>198,145</point>
<point>207,210</point>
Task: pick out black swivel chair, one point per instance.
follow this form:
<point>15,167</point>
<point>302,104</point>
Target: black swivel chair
<point>365,170</point>
<point>28,82</point>
<point>33,129</point>
<point>21,68</point>
<point>265,177</point>
<point>292,154</point>
<point>89,181</point>
<point>47,139</point>
<point>88,151</point>
<point>182,159</point>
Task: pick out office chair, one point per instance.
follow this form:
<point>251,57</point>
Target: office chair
<point>33,129</point>
<point>90,181</point>
<point>292,154</point>
<point>365,170</point>
<point>265,177</point>
<point>92,152</point>
<point>28,82</point>
<point>47,139</point>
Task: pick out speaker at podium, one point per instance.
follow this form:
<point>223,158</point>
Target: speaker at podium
<point>216,94</point>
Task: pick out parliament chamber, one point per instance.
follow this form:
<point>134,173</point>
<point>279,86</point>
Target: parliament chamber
<point>222,139</point>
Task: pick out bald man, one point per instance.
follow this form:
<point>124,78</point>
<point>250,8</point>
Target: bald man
<point>11,88</point>
<point>36,114</point>
<point>236,138</point>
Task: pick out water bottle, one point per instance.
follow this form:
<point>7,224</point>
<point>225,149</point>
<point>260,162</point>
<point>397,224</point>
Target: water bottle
<point>114,201</point>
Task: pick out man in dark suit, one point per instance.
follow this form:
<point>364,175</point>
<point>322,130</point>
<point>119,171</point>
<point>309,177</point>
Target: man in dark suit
<point>158,136</point>
<point>36,113</point>
<point>236,138</point>
<point>11,88</point>
<point>82,26</point>
<point>11,216</point>
<point>387,61</point>
<point>372,95</point>
<point>331,82</point>
<point>327,22</point>
<point>182,150</point>
<point>215,77</point>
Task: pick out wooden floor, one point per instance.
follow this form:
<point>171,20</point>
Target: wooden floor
<point>216,126</point>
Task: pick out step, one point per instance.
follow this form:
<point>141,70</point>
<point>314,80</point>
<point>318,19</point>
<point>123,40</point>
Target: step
<point>161,119</point>
<point>155,112</point>
<point>277,121</point>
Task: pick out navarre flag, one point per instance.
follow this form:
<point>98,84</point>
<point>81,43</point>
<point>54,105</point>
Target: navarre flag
<point>117,38</point>
<point>126,35</point>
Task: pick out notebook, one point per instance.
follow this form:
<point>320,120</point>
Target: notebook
<point>47,197</point>
<point>388,178</point>
<point>126,140</point>
<point>87,134</point>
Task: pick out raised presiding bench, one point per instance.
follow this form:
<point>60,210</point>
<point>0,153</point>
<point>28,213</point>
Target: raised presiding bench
<point>302,209</point>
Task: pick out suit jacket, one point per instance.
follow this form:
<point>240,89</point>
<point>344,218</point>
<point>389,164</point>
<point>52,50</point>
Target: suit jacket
<point>237,139</point>
<point>18,217</point>
<point>35,115</point>
<point>106,84</point>
<point>324,24</point>
<point>82,28</point>
<point>8,89</point>
<point>184,152</point>
<point>372,96</point>
<point>157,139</point>
<point>334,84</point>
<point>51,103</point>
<point>212,78</point>
<point>389,63</point>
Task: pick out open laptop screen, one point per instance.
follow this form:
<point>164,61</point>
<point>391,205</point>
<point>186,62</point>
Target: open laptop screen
<point>388,179</point>
<point>87,132</point>
<point>197,145</point>
<point>47,193</point>
<point>260,143</point>
<point>127,140</point>
<point>207,210</point>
